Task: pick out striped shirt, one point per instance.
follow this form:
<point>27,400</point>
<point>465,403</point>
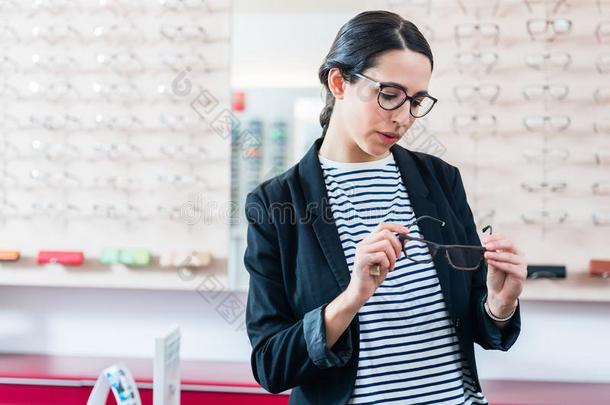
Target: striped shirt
<point>409,351</point>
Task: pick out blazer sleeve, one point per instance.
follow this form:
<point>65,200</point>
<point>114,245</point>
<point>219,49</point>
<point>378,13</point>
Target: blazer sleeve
<point>486,333</point>
<point>286,351</point>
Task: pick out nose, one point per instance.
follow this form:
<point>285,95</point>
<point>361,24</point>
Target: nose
<point>402,117</point>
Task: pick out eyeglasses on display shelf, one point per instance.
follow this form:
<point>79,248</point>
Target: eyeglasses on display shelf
<point>544,217</point>
<point>475,125</point>
<point>197,62</point>
<point>182,180</point>
<point>602,32</point>
<point>602,63</point>
<point>52,8</point>
<point>55,150</point>
<point>601,95</point>
<point>489,8</point>
<point>488,92</point>
<point>546,156</point>
<point>119,33</point>
<point>190,6</point>
<point>56,123</point>
<point>473,62</point>
<point>125,123</point>
<point>602,157</point>
<point>125,63</point>
<point>124,92</point>
<point>546,92</point>
<point>548,6</point>
<point>55,34</point>
<point>118,151</point>
<point>459,257</point>
<point>601,188</point>
<point>188,33</point>
<point>184,152</point>
<point>10,92</point>
<point>8,65</point>
<point>602,126</point>
<point>485,33</point>
<point>601,218</point>
<point>55,64</point>
<point>123,183</point>
<point>414,6</point>
<point>8,35</point>
<point>182,122</point>
<point>549,61</point>
<point>541,29</point>
<point>603,6</point>
<point>544,186</point>
<point>59,91</point>
<point>55,178</point>
<point>547,123</point>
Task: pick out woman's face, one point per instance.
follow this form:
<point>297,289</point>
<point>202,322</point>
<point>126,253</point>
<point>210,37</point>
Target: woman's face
<point>364,119</point>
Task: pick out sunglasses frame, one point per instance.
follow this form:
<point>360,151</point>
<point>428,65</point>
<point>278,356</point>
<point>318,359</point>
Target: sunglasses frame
<point>436,247</point>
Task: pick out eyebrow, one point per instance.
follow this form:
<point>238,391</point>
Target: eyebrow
<point>419,93</point>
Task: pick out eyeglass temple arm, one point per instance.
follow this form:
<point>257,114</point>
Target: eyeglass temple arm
<point>371,81</point>
<point>428,217</point>
<point>402,237</point>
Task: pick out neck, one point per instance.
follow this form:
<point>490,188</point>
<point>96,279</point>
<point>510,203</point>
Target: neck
<point>340,147</point>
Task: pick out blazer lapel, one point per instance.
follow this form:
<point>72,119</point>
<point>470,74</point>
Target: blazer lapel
<point>319,210</point>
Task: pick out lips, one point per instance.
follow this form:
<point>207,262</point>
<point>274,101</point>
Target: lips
<point>390,134</point>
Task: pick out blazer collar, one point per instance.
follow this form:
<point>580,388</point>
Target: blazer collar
<point>314,189</point>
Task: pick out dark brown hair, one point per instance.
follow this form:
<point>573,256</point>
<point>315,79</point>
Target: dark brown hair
<point>359,44</point>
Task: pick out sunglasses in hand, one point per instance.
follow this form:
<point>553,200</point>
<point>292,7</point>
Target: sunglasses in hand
<point>460,257</point>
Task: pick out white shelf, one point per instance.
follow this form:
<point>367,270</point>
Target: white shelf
<point>94,275</point>
<point>576,287</point>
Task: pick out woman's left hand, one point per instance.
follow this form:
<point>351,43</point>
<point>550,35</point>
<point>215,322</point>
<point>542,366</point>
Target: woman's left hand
<point>506,274</point>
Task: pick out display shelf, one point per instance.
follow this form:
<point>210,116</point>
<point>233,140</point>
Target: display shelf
<point>578,286</point>
<point>92,274</point>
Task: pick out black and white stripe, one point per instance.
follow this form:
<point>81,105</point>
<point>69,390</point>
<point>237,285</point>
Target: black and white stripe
<point>409,352</point>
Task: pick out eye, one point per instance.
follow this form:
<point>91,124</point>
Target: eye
<point>388,95</point>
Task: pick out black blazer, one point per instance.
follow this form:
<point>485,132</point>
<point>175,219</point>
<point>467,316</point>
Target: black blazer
<point>297,266</point>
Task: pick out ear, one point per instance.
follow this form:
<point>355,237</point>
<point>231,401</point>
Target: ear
<point>336,83</point>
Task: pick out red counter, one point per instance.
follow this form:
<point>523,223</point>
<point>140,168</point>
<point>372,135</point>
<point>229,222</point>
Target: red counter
<point>64,380</point>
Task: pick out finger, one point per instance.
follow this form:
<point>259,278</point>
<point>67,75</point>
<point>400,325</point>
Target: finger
<point>391,226</point>
<point>491,238</point>
<point>504,257</point>
<point>390,237</point>
<point>501,244</point>
<point>383,246</point>
<point>377,258</point>
<point>514,269</point>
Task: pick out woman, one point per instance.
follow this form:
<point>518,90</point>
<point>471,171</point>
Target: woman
<point>341,307</point>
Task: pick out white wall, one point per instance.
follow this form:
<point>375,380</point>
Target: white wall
<point>559,341</point>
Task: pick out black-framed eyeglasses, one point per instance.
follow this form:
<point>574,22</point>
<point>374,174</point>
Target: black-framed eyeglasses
<point>460,257</point>
<point>391,96</point>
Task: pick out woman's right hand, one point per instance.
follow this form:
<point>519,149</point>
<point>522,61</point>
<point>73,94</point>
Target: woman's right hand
<point>380,247</point>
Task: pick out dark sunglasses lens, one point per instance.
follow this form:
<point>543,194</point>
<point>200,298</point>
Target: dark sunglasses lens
<point>465,258</point>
